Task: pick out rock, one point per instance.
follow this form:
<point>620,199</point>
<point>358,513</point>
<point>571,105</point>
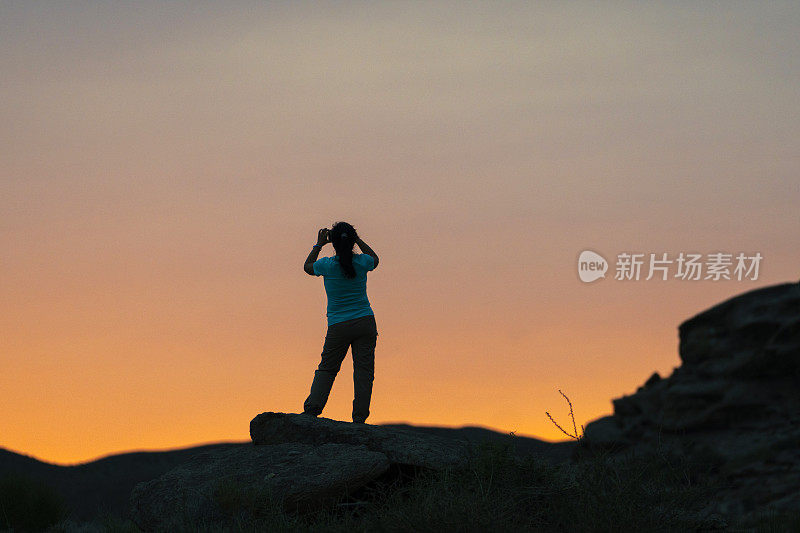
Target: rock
<point>780,355</point>
<point>605,433</point>
<point>739,328</point>
<point>400,446</point>
<point>214,485</point>
<point>298,461</point>
<point>735,398</point>
<point>652,380</point>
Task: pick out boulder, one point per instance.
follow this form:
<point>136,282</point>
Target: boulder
<point>736,332</point>
<point>606,432</point>
<point>297,461</point>
<point>215,485</point>
<point>400,446</point>
<point>735,398</point>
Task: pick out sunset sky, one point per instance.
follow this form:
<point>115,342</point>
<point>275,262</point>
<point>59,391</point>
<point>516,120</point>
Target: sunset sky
<point>165,167</point>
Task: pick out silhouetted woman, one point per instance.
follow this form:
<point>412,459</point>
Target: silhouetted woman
<point>351,321</point>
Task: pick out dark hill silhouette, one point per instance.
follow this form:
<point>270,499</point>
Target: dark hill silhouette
<point>523,445</point>
<point>103,484</point>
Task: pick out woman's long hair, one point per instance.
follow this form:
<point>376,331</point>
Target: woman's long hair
<point>343,237</point>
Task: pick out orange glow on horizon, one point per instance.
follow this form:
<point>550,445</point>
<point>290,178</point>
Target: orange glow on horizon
<point>164,170</point>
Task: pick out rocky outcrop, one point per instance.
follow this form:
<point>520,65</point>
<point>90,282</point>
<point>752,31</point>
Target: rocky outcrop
<point>399,445</point>
<point>297,462</point>
<point>734,401</point>
<point>216,484</point>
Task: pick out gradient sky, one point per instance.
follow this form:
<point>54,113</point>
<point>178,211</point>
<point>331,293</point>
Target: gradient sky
<point>165,167</point>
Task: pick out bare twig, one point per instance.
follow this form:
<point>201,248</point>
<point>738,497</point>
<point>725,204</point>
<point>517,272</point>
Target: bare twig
<point>572,416</point>
<point>573,435</point>
<point>556,424</point>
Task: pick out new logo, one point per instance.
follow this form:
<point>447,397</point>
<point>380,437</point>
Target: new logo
<point>591,266</point>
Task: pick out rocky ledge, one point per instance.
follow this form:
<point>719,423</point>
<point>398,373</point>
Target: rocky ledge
<point>297,461</point>
<point>734,402</point>
<point>398,445</point>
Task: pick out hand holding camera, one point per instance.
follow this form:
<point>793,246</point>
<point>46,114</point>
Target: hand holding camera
<point>323,236</point>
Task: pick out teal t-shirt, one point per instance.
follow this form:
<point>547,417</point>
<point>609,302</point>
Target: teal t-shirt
<point>347,297</point>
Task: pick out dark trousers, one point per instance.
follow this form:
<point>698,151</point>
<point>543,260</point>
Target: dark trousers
<point>362,334</point>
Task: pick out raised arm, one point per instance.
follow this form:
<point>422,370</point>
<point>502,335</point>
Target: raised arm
<point>308,266</point>
<point>367,250</point>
